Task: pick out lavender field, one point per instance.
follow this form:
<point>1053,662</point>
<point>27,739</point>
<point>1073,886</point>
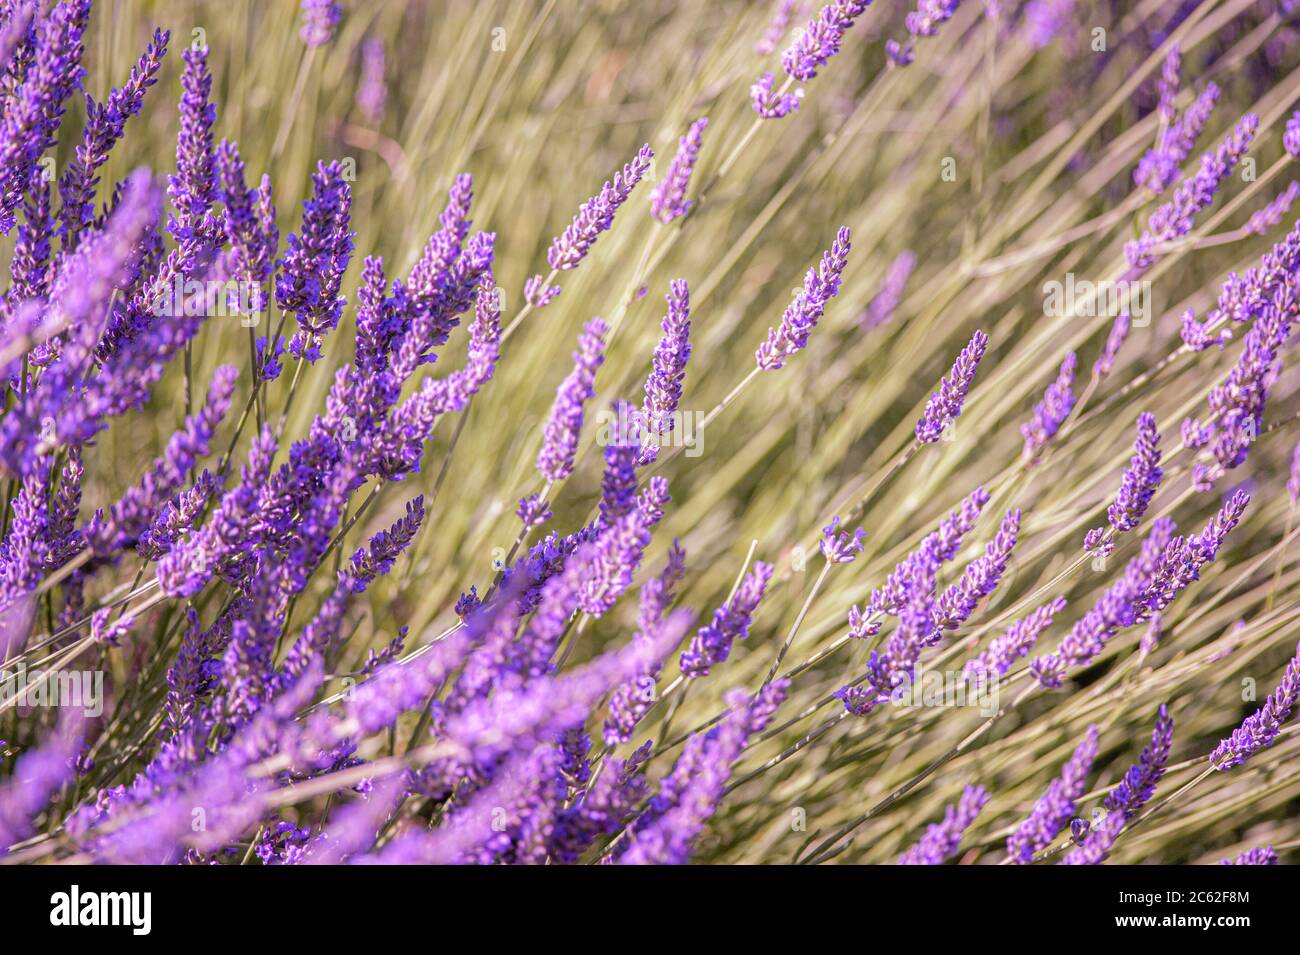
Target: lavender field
<point>674,431</point>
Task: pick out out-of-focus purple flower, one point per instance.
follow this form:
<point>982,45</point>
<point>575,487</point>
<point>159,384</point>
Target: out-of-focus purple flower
<point>1158,169</point>
<point>1259,730</point>
<point>820,39</point>
<point>1056,806</point>
<point>840,547</point>
<point>668,199</point>
<point>1174,219</point>
<point>731,622</point>
<point>921,22</point>
<point>1051,412</point>
<point>941,839</point>
<point>560,441</point>
<point>1018,640</point>
<point>1293,482</point>
<point>887,299</point>
<point>630,701</point>
<point>597,214</point>
<point>820,285</point>
<point>1272,214</point>
<point>1150,639</point>
<point>769,104</point>
<point>782,11</point>
<point>1044,20</point>
<point>689,795</point>
<point>314,261</point>
<point>1139,783</point>
<point>1260,855</point>
<point>1105,362</point>
<point>944,406</point>
<point>319,18</point>
<point>372,93</point>
<point>37,777</point>
<point>1291,137</point>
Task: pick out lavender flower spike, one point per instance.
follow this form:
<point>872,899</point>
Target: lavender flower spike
<point>1139,484</point>
<point>560,443</point>
<point>941,840</point>
<point>944,405</point>
<point>731,622</point>
<point>770,105</point>
<point>668,200</point>
<point>1105,362</point>
<point>1293,482</point>
<point>820,39</point>
<point>1260,855</point>
<point>1291,137</point>
<point>663,387</point>
<point>1259,730</point>
<point>809,304</point>
<point>839,547</point>
<point>596,215</point>
<point>319,18</point>
<point>1056,806</point>
<point>1139,783</point>
<point>1051,412</point>
<point>1018,640</point>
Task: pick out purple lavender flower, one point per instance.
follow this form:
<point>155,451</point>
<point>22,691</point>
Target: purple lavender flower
<point>319,18</point>
<point>1097,843</point>
<point>1158,168</point>
<point>809,304</point>
<point>372,93</point>
<point>32,113</point>
<point>689,795</point>
<point>1174,219</point>
<point>782,11</point>
<point>887,299</point>
<point>923,21</point>
<point>560,442</point>
<point>980,578</point>
<point>1051,412</point>
<point>105,125</point>
<point>193,188</point>
<point>942,839</point>
<point>1138,485</point>
<point>314,262</point>
<point>1056,806</point>
<point>37,777</point>
<point>944,406</point>
<point>1018,640</point>
<point>597,214</point>
<point>731,622</point>
<point>253,238</point>
<point>1105,363</point>
<point>663,387</point>
<point>1259,730</point>
<point>668,200</point>
<point>820,39</point>
<point>1139,783</point>
<point>770,105</point>
<point>1293,482</point>
<point>839,547</point>
<point>1260,855</point>
<point>1272,214</point>
<point>1291,137</point>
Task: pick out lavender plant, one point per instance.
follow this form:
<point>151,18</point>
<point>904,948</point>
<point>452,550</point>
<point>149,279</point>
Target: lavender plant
<point>372,566</point>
